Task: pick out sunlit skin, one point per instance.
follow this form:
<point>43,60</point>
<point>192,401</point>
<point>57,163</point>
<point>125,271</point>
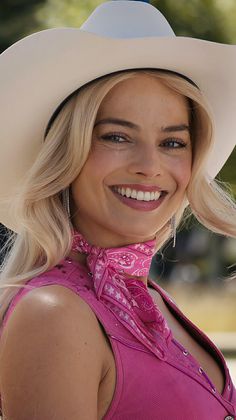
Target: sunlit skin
<point>145,155</point>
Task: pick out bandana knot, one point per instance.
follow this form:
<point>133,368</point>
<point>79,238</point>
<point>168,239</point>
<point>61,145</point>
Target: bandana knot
<point>127,297</point>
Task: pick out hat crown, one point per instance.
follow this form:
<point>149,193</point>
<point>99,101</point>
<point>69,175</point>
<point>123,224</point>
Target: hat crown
<point>127,19</point>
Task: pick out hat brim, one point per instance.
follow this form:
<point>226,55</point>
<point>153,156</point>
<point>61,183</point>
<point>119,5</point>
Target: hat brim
<point>38,72</point>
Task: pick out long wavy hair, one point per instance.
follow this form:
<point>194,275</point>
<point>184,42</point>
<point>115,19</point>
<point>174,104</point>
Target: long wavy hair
<point>46,234</point>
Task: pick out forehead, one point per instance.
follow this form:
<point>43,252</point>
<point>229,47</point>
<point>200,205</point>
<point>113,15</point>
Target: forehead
<point>143,94</point>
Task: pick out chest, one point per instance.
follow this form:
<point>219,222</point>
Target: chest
<point>209,365</point>
<point>202,356</point>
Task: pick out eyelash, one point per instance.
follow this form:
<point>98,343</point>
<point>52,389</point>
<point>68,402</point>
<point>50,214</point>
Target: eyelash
<point>108,137</point>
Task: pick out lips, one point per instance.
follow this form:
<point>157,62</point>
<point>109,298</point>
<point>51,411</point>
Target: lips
<point>139,204</point>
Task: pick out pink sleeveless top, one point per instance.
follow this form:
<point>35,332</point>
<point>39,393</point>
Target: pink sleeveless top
<point>146,387</point>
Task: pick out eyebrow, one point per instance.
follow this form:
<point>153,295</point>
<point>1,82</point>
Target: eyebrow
<point>129,124</point>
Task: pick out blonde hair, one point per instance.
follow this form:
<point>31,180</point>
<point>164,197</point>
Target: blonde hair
<point>46,237</point>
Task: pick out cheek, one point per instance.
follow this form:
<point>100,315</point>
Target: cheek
<point>97,168</point>
<point>182,172</point>
<point>102,162</point>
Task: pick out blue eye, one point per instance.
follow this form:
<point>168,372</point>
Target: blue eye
<point>180,144</point>
<point>113,138</point>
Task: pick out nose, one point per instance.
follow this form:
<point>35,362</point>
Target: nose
<point>146,161</point>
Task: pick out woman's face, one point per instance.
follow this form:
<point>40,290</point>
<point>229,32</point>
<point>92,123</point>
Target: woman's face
<point>148,149</point>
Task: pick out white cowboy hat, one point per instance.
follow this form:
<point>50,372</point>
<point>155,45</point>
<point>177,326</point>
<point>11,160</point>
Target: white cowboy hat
<point>38,72</point>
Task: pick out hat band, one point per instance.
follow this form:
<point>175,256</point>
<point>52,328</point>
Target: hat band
<point>59,108</point>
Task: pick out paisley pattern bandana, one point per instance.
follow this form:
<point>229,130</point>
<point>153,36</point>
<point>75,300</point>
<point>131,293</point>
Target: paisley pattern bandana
<point>128,298</point>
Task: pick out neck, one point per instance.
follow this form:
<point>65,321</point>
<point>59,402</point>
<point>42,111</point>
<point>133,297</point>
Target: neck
<point>106,238</point>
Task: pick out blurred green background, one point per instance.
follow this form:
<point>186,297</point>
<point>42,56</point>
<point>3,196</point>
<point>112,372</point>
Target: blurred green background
<point>195,271</point>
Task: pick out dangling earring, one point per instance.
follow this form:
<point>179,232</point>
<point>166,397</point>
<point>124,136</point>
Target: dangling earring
<point>173,229</point>
<point>66,200</point>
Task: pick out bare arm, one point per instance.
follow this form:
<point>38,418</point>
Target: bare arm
<point>50,358</point>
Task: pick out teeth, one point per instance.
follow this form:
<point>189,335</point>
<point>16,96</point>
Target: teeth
<point>138,195</point>
<point>127,192</point>
<point>133,193</point>
<point>148,196</point>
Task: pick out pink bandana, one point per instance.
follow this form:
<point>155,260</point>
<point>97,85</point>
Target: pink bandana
<point>128,298</point>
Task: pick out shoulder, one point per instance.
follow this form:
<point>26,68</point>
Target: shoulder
<point>69,275</point>
<point>52,307</point>
<point>60,340</point>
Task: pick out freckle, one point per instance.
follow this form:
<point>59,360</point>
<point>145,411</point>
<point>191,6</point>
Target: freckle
<point>81,276</point>
<point>64,271</point>
<point>85,342</point>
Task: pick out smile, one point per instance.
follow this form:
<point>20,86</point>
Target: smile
<point>139,200</point>
<point>138,195</point>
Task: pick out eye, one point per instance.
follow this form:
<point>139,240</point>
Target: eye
<point>114,137</point>
<point>174,144</point>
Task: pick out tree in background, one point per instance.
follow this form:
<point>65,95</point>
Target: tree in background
<point>56,13</point>
<point>204,19</point>
<point>17,19</point>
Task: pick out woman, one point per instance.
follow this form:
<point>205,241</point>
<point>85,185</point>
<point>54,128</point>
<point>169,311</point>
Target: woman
<point>109,157</point>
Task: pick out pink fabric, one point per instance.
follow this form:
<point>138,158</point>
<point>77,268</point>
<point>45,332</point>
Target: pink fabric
<point>128,298</point>
<point>146,386</point>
